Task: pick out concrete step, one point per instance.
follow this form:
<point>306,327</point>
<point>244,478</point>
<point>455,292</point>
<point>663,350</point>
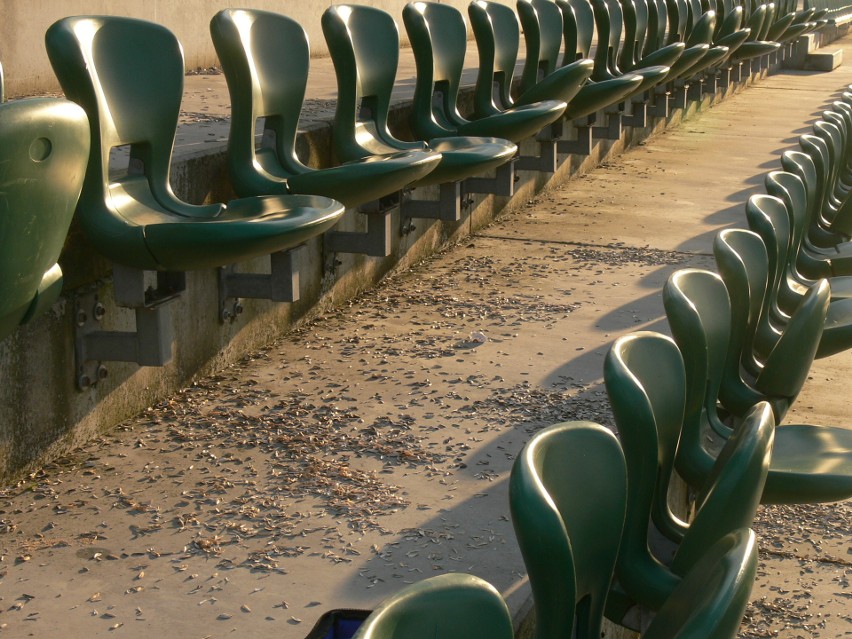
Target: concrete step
<point>823,60</point>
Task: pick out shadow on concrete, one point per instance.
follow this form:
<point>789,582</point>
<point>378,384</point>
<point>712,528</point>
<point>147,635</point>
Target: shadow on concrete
<point>474,535</point>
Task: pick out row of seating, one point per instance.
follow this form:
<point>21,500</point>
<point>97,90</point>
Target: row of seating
<point>702,405</point>
<point>737,363</point>
<point>838,12</point>
<point>128,76</point>
<point>706,402</point>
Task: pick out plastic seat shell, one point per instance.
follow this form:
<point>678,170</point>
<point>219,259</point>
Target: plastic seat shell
<point>578,25</point>
<point>645,381</point>
<point>127,74</point>
<point>44,149</point>
<point>450,606</point>
<point>567,494</point>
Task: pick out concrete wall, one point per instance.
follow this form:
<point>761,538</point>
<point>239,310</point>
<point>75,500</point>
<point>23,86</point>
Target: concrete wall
<point>28,71</point>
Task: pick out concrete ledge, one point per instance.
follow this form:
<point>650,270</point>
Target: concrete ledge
<point>824,60</point>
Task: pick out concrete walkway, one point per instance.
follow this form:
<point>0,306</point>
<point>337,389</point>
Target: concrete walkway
<point>371,448</point>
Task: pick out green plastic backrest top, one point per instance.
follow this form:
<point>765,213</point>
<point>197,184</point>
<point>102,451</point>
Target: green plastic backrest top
<point>743,264</point>
<point>44,148</point>
<point>643,24</point>
<point>841,117</point>
<point>698,311</point>
<point>697,307</point>
<point>675,22</point>
<point>678,18</point>
<point>646,26</point>
<point>567,495</point>
<point>657,23</point>
<point>609,26</point>
<point>770,218</point>
<point>790,188</point>
<point>265,57</point>
<point>644,371</point>
<point>834,130</point>
<point>584,19</point>
<point>497,34</point>
<point>815,149</point>
<point>616,23</point>
<point>635,24</point>
<point>543,77</point>
<point>644,378</point>
<point>570,35</point>
<point>451,606</point>
<point>802,165</point>
<point>649,19</point>
<point>364,46</point>
<point>543,32</point>
<point>831,131</point>
<point>127,75</point>
<point>832,142</point>
<point>438,38</point>
<point>693,462</point>
<point>609,39</point>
